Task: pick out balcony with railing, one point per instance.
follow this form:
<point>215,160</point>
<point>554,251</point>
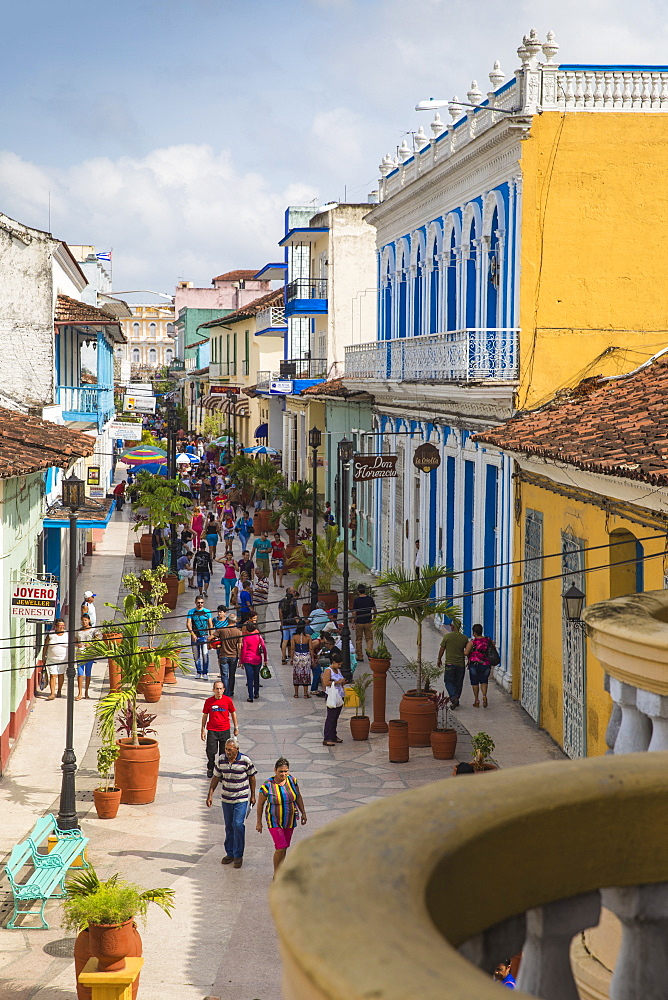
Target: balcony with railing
<point>294,374</point>
<point>468,355</point>
<point>87,403</point>
<point>271,322</point>
<point>306,297</point>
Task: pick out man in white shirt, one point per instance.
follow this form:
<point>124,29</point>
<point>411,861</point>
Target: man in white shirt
<point>88,607</point>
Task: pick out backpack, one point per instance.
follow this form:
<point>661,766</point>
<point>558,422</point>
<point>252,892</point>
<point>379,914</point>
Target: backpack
<point>492,654</point>
<point>201,562</point>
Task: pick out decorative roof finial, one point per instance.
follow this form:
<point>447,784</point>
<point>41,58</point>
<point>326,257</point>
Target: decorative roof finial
<point>532,43</point>
<point>550,48</point>
<point>386,165</point>
<point>497,76</point>
<point>474,94</point>
<point>437,126</point>
<point>420,139</point>
<point>404,152</point>
<point>455,108</point>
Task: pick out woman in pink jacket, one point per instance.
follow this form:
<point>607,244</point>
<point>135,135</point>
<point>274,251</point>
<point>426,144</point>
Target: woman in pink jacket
<point>253,653</point>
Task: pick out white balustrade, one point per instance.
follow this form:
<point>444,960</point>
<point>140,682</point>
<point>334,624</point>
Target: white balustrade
<point>456,355</point>
<point>635,729</point>
<point>546,968</point>
<point>655,708</point>
<point>642,963</point>
<point>270,319</point>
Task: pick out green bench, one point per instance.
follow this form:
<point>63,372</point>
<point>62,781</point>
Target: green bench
<point>46,877</point>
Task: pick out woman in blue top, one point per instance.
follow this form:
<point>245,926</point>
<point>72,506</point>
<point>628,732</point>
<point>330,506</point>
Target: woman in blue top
<point>245,603</point>
<point>244,529</point>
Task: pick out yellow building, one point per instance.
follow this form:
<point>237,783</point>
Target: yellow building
<point>150,335</point>
<point>591,510</point>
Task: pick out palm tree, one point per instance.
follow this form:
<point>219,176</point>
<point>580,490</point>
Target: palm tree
<point>407,596</point>
<point>269,481</point>
<point>295,498</point>
<point>328,551</point>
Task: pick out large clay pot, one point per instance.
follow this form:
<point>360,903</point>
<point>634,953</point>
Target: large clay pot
<point>419,711</point>
<point>443,743</point>
<point>170,671</point>
<point>146,547</point>
<point>137,550</point>
<point>136,770</point>
<point>82,954</point>
<point>292,535</point>
<point>330,599</point>
<point>110,944</point>
<point>152,691</point>
<point>114,675</point>
<point>292,556</point>
<point>261,520</point>
<point>359,727</point>
<point>107,802</point>
<point>398,741</point>
<point>172,594</point>
<point>155,672</point>
<point>378,665</point>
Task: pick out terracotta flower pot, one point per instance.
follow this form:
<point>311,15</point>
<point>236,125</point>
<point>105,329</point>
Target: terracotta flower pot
<point>398,741</point>
<point>359,727</point>
<point>136,770</point>
<point>107,802</point>
<point>170,671</point>
<point>146,547</point>
<point>419,711</point>
<point>172,594</point>
<point>261,520</point>
<point>113,637</point>
<point>378,665</point>
<point>330,598</point>
<point>111,944</point>
<point>292,535</point>
<point>137,548</point>
<point>82,954</point>
<point>443,743</point>
<point>155,672</point>
<point>152,691</point>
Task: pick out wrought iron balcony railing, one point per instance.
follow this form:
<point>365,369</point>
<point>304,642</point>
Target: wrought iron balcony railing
<point>306,288</point>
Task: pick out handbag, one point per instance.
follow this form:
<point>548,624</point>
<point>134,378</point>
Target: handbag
<point>492,654</point>
<point>334,697</point>
<point>265,672</point>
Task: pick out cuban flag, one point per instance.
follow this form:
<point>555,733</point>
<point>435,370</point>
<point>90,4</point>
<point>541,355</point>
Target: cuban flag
<point>106,255</point>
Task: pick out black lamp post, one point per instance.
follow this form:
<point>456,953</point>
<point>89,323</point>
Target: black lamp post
<point>573,604</point>
<point>314,440</point>
<point>232,421</point>
<point>74,497</point>
<point>345,454</point>
<point>172,428</point>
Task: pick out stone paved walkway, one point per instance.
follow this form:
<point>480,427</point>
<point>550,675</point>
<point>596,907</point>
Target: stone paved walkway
<point>220,941</point>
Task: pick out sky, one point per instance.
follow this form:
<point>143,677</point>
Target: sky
<point>177,132</point>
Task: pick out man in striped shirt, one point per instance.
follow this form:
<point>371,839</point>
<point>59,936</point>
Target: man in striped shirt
<point>235,772</point>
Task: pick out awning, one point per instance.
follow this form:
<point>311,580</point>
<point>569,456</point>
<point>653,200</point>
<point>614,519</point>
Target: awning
<point>262,431</point>
<point>107,508</point>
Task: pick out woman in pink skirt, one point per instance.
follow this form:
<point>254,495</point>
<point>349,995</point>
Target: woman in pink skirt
<point>282,803</point>
<point>197,526</point>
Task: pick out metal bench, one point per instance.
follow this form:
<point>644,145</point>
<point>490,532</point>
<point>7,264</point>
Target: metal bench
<point>47,878</point>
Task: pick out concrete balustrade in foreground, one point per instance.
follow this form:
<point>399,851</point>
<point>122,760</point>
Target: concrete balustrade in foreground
<point>387,902</point>
<point>629,635</point>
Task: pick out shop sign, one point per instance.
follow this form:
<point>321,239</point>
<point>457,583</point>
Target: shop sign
<point>35,600</point>
<point>367,467</point>
<point>427,457</point>
<point>282,386</point>
<point>125,432</point>
<point>139,404</point>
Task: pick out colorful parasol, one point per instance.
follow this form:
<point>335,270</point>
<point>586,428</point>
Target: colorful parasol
<point>144,454</point>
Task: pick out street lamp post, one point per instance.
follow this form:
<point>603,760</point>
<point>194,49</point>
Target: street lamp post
<point>573,601</point>
<point>314,440</point>
<point>345,454</point>
<point>232,422</point>
<point>172,428</point>
<point>73,497</point>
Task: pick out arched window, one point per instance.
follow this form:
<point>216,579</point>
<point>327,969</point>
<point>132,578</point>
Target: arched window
<point>451,285</point>
<point>493,273</point>
<point>627,578</point>
<point>153,356</point>
<point>403,297</point>
<point>470,276</point>
<point>433,290</point>
<point>169,355</point>
<point>387,304</point>
<point>136,355</point>
<point>135,331</point>
<point>417,295</point>
<point>152,330</point>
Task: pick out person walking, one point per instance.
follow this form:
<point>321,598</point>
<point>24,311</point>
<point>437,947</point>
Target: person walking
<point>85,635</point>
<point>288,615</point>
<point>261,552</point>
<point>88,607</point>
<point>197,526</point>
<point>333,681</point>
<point>229,636</point>
<point>216,714</point>
<point>199,625</point>
<point>261,596</point>
<point>323,659</point>
<point>229,576</point>
<point>253,653</point>
<point>228,534</point>
<point>477,650</point>
<point>364,612</point>
<point>246,605</point>
<point>278,559</point>
<point>451,650</point>
<point>203,568</point>
<point>235,772</point>
<point>119,494</point>
<point>212,535</point>
<point>302,658</point>
<point>54,656</point>
<point>282,804</point>
<point>244,529</point>
<point>246,565</point>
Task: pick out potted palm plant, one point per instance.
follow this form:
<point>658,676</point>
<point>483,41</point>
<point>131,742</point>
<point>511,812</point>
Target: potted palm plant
<point>139,757</point>
<point>329,549</point>
<point>269,482</point>
<point>106,796</point>
<point>412,598</point>
<point>360,722</point>
<point>483,748</point>
<point>165,505</point>
<point>104,912</point>
<point>294,499</point>
<point>444,738</point>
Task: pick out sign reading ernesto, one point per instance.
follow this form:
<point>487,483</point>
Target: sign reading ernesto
<point>374,467</point>
<point>35,600</point>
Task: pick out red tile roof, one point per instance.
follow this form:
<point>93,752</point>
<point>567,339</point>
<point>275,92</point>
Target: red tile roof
<point>29,444</point>
<point>77,313</point>
<point>618,427</point>
<point>236,276</point>
<point>334,387</point>
<point>246,312</point>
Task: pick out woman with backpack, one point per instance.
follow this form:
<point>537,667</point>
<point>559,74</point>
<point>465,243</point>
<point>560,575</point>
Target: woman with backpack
<point>252,654</point>
<point>481,651</point>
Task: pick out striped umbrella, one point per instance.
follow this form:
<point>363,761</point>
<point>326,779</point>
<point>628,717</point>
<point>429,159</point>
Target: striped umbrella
<point>144,454</point>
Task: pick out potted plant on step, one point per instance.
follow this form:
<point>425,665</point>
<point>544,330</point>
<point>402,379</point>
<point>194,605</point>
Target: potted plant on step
<point>379,658</point>
<point>329,549</point>
<point>165,505</point>
<point>360,722</point>
<point>104,915</point>
<point>269,482</point>
<point>413,598</point>
<point>294,499</point>
<point>106,796</point>
<point>443,739</point>
<point>483,748</point>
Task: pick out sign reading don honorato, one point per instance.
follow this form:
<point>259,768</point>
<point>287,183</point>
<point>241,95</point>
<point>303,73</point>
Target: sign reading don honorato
<point>374,467</point>
<point>35,600</point>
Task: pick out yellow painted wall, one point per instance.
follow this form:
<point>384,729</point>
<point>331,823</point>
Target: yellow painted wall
<point>594,213</point>
<point>588,522</point>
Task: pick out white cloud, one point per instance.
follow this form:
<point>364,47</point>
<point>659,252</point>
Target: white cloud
<point>180,208</point>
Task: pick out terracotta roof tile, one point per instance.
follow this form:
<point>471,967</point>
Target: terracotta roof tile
<point>613,426</point>
<point>236,275</point>
<point>28,444</point>
<point>72,311</point>
<point>274,298</point>
<point>335,387</point>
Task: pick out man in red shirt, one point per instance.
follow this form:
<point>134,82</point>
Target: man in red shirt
<point>216,724</point>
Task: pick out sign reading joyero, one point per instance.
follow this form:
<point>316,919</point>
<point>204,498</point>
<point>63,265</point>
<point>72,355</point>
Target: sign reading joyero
<point>426,458</point>
<point>374,467</point>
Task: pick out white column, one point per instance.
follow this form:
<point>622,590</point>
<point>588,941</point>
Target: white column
<point>655,707</point>
<point>635,729</point>
<point>615,720</point>
<point>642,963</point>
<point>546,968</point>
